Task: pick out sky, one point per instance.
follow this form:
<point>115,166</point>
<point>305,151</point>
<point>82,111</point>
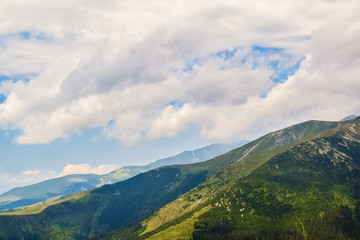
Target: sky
<point>90,86</point>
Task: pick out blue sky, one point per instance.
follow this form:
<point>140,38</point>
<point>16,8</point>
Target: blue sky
<point>168,77</point>
<point>283,65</point>
<point>91,148</point>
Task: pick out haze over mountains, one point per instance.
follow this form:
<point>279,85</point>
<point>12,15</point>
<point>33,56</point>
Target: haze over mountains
<point>301,182</point>
<point>65,186</point>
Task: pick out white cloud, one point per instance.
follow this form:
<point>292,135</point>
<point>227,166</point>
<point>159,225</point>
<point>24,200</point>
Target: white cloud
<point>31,172</point>
<point>85,168</point>
<point>122,61</point>
<point>173,119</point>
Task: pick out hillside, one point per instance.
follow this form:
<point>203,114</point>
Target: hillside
<point>75,183</point>
<point>310,191</point>
<point>198,199</point>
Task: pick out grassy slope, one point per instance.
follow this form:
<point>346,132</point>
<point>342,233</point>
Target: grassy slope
<point>181,230</point>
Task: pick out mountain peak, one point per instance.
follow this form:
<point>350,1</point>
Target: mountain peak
<point>349,118</point>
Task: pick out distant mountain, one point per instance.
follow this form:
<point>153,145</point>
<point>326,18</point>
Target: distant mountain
<point>63,186</point>
<point>192,156</point>
<point>350,118</point>
<point>301,182</point>
<point>71,184</point>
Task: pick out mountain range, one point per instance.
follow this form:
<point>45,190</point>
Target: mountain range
<point>301,182</point>
<point>71,184</point>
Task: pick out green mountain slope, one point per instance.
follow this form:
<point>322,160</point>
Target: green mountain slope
<point>168,199</point>
<point>72,184</point>
<point>310,191</point>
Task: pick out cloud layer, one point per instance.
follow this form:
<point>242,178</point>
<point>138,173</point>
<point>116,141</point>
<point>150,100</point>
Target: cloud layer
<point>152,69</point>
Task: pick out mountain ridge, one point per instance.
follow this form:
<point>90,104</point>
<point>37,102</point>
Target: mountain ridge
<point>319,177</point>
<point>175,226</point>
<point>350,118</point>
<point>272,144</point>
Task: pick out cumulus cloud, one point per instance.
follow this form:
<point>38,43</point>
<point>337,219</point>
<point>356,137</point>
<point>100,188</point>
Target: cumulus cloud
<point>31,172</point>
<point>85,168</point>
<point>121,67</point>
